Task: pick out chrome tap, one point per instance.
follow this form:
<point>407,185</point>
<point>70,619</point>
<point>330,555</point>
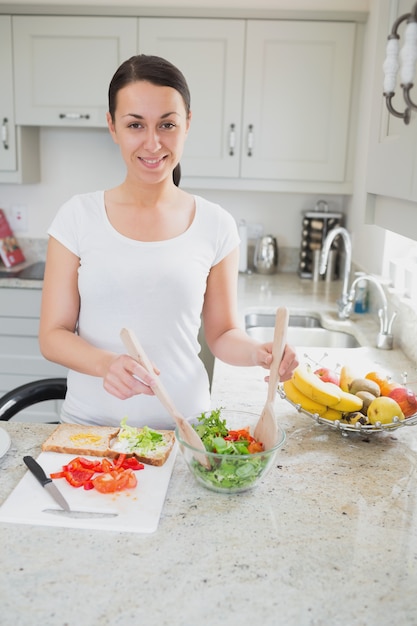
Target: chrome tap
<point>335,232</point>
<point>385,337</point>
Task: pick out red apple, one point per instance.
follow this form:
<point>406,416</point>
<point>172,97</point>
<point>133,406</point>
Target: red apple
<point>327,375</point>
<point>406,398</point>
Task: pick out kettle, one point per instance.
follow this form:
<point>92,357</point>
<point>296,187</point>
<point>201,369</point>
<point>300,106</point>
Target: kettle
<point>265,259</point>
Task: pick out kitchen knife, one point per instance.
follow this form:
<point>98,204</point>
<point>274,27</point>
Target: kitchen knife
<point>46,482</point>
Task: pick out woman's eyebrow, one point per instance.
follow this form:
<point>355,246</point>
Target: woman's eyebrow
<point>140,117</point>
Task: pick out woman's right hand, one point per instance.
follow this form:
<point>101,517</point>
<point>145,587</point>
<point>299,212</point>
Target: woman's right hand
<point>125,378</point>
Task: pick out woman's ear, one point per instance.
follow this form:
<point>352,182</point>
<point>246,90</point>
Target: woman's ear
<point>110,126</point>
<point>188,122</point>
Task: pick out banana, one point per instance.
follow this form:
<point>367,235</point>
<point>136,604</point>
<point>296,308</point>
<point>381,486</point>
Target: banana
<point>353,418</point>
<point>332,414</point>
<point>346,377</point>
<point>348,402</point>
<point>314,388</point>
<point>297,397</point>
<point>363,384</point>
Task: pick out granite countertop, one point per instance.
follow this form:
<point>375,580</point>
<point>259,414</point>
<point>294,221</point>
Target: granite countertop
<point>329,537</point>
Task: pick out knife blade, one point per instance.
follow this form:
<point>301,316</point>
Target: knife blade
<point>46,482</point>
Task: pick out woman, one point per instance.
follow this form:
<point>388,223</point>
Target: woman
<point>148,256</point>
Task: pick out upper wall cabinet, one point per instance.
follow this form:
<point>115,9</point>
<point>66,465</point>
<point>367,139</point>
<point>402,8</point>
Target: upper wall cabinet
<point>19,147</point>
<point>392,164</point>
<point>63,66</point>
<point>210,53</point>
<point>270,99</point>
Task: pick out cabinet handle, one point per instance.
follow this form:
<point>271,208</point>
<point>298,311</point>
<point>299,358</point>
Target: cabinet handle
<point>5,133</point>
<point>74,116</point>
<point>232,140</point>
<point>250,140</point>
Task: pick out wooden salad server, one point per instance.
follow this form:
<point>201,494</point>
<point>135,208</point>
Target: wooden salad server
<point>190,436</point>
<point>266,429</point>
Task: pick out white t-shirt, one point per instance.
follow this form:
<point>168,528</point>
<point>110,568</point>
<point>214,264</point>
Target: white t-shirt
<point>155,288</point>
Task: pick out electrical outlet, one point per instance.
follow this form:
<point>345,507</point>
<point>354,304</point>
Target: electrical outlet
<point>19,218</point>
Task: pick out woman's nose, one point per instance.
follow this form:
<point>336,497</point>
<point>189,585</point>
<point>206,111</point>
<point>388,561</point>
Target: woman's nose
<point>152,141</point>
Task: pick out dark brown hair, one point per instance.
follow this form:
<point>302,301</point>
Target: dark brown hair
<point>157,71</point>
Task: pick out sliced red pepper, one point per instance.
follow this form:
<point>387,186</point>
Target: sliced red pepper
<point>119,461</point>
<point>89,464</point>
<point>77,477</point>
<point>132,463</point>
<point>58,475</point>
<point>80,472</point>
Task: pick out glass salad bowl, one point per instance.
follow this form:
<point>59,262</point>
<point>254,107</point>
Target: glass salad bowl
<point>229,471</point>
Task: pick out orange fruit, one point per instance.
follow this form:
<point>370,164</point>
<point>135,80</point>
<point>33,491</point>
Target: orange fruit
<point>385,384</point>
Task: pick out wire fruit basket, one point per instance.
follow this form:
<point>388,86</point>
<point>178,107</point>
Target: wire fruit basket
<point>343,425</point>
<point>358,427</point>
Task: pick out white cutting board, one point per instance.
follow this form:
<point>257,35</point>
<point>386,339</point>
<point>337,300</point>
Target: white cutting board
<point>138,510</point>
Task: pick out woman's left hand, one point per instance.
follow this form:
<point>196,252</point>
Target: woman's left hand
<point>288,363</point>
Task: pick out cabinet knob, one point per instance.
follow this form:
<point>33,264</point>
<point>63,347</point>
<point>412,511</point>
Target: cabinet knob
<point>74,116</point>
<point>5,133</point>
<point>250,140</point>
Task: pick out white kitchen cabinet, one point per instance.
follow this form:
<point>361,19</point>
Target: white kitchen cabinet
<point>20,358</point>
<point>270,99</point>
<point>63,66</point>
<point>296,102</point>
<point>392,162</point>
<point>19,147</point>
<point>210,53</point>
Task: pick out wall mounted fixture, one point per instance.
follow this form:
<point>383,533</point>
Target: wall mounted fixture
<point>408,58</point>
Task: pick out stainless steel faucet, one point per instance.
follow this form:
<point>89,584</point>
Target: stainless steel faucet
<point>335,232</point>
<point>385,337</point>
<point>347,299</point>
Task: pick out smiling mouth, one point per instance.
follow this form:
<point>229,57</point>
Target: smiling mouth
<point>152,162</point>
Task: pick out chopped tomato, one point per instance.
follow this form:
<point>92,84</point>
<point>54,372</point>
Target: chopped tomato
<point>113,481</point>
<point>106,465</point>
<point>239,435</point>
<point>255,446</point>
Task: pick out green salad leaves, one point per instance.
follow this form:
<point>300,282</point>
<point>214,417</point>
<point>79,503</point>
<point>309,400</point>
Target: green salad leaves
<point>226,473</point>
<point>146,440</point>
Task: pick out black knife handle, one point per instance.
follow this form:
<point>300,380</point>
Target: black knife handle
<point>37,470</point>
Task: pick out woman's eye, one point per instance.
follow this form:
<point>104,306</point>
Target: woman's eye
<point>135,125</point>
<point>168,125</point>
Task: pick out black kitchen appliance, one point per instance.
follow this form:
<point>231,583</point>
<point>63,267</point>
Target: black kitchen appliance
<point>315,226</point>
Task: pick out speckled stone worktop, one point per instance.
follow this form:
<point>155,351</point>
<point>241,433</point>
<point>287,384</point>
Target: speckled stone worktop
<point>329,537</point>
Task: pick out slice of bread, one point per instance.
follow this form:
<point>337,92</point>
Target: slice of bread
<point>156,457</point>
<point>102,441</point>
<point>77,439</point>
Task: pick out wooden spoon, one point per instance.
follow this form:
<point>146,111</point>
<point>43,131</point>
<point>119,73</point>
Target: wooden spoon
<point>188,433</point>
<point>266,429</point>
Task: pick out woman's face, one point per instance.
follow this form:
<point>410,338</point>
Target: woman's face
<point>150,126</point>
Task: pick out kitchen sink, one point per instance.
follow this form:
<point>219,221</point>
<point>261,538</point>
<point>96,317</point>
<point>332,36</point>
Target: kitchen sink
<point>303,330</point>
